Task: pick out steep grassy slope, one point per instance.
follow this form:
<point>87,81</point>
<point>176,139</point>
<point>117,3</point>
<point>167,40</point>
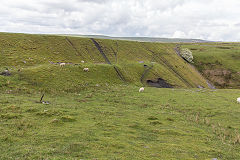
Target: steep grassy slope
<point>219,62</point>
<point>118,122</point>
<point>32,59</point>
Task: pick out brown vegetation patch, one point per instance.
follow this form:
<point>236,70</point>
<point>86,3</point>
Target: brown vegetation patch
<point>221,47</point>
<point>193,49</point>
<point>160,83</point>
<point>220,77</point>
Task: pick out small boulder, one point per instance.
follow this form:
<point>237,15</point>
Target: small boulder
<point>45,102</point>
<point>199,86</point>
<point>5,73</point>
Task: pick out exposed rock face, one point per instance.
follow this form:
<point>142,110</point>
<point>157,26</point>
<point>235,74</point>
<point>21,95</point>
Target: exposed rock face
<point>5,73</point>
<point>160,83</point>
<point>220,77</point>
<point>186,54</point>
<point>217,72</point>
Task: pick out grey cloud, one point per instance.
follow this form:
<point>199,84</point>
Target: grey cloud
<point>209,19</point>
<point>237,24</point>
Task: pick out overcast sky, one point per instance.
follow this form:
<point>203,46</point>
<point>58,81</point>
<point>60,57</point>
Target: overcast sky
<point>204,19</point>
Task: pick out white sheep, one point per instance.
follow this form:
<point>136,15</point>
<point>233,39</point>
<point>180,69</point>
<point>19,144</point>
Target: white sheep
<point>62,64</point>
<point>238,100</point>
<point>85,69</point>
<point>82,61</point>
<point>141,89</point>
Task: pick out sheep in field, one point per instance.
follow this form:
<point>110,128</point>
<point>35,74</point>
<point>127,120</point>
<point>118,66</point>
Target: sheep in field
<point>238,100</point>
<point>82,61</point>
<point>141,89</point>
<point>85,69</point>
<point>62,64</point>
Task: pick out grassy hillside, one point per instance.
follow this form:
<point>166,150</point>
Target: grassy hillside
<point>218,62</point>
<point>100,114</point>
<point>32,60</point>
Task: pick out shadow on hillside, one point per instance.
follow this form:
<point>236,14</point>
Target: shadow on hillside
<point>160,83</point>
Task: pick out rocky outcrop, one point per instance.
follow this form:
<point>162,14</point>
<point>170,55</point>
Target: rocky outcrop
<point>220,77</point>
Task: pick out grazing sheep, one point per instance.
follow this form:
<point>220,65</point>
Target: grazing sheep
<point>85,69</point>
<point>141,89</point>
<point>238,100</point>
<point>82,61</point>
<point>62,64</point>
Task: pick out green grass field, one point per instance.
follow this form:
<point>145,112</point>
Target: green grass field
<point>101,115</point>
<point>118,122</point>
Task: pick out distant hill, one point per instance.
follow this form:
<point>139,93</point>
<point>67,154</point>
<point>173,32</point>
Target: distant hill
<point>145,39</point>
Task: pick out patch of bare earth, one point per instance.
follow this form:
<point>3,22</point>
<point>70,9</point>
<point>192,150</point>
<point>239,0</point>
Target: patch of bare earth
<point>220,77</point>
